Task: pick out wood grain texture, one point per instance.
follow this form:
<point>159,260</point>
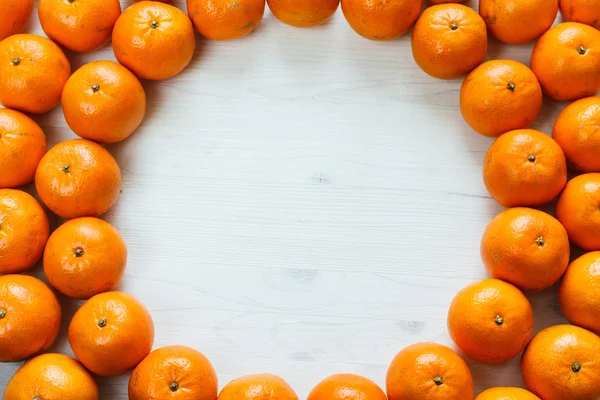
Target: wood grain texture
<point>302,202</point>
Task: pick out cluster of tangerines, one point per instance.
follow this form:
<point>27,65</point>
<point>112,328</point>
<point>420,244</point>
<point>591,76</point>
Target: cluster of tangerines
<point>103,102</point>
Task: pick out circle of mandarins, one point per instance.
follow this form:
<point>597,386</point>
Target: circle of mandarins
<point>499,320</point>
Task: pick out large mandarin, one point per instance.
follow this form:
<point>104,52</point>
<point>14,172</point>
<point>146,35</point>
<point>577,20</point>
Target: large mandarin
<point>303,13</point>
<point>584,11</point>
<point>346,387</point>
<point>13,16</point>
<point>258,387</point>
<point>225,19</point>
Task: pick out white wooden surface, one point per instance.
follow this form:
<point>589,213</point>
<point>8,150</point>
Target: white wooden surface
<point>302,202</point>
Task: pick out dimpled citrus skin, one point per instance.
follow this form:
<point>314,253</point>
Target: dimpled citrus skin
<point>154,40</point>
<point>22,146</point>
<point>225,19</point>
<point>577,131</point>
<point>258,387</point>
<point>13,16</point>
<point>553,356</point>
<point>524,167</point>
<point>525,247</point>
<point>429,371</point>
<point>84,257</point>
<point>78,178</point>
<point>381,20</point>
<point>579,293</point>
<point>346,387</point>
<point>491,321</point>
<point>583,11</point>
<point>506,393</point>
<point>52,377</point>
<point>578,209</point>
<point>111,333</point>
<point>174,372</point>
<point>499,96</point>
<point>30,317</point>
<point>518,21</point>
<point>104,102</point>
<point>449,41</point>
<point>566,61</point>
<point>303,13</point>
<point>79,25</point>
<point>33,71</point>
<point>24,230</point>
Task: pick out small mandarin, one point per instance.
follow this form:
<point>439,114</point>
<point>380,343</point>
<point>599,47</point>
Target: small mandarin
<point>52,377</point>
<point>174,372</point>
<point>111,333</point>
<point>579,293</point>
<point>506,393</point>
<point>578,209</point>
<point>22,146</point>
<point>78,178</point>
<point>33,71</point>
<point>225,19</point>
<point>24,230</point>
<point>525,247</point>
<point>500,96</point>
<point>449,40</point>
<point>429,371</point>
<point>258,387</point>
<point>381,20</point>
<point>491,321</point>
<point>583,11</point>
<point>576,132</point>
<point>13,16</point>
<point>563,362</point>
<point>524,167</point>
<point>566,61</point>
<point>29,317</point>
<point>79,25</point>
<point>303,13</point>
<point>84,257</point>
<point>346,387</point>
<point>104,102</point>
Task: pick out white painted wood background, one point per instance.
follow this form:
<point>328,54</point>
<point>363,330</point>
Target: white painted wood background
<point>302,202</point>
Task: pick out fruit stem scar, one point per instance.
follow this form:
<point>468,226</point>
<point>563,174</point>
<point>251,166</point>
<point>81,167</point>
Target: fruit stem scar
<point>499,320</point>
<point>36,398</point>
<point>154,24</point>
<point>581,50</point>
<point>102,323</point>
<point>78,252</point>
<point>16,61</point>
<point>174,386</point>
<point>2,313</point>
<point>540,241</point>
<point>95,87</point>
<point>454,26</point>
<point>576,367</point>
<point>66,168</point>
<point>531,158</point>
<point>438,380</point>
<point>511,86</point>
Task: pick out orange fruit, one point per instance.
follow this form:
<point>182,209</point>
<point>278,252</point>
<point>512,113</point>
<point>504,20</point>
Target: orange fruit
<point>346,387</point>
<point>52,377</point>
<point>491,321</point>
<point>154,40</point>
<point>174,372</point>
<point>429,371</point>
<point>506,393</point>
<point>577,133</point>
<point>583,11</point>
<point>22,146</point>
<point>382,20</point>
<point>24,230</point>
<point>525,247</point>
<point>13,16</point>
<point>524,167</point>
<point>579,293</point>
<point>303,13</point>
<point>499,96</point>
<point>111,333</point>
<point>578,209</point>
<point>563,362</point>
<point>447,1</point>
<point>566,61</point>
<point>77,25</point>
<point>518,21</point>
<point>225,19</point>
<point>449,40</point>
<point>104,102</point>
<point>33,71</point>
<point>78,178</point>
<point>29,317</point>
<point>258,387</point>
<point>84,257</point>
